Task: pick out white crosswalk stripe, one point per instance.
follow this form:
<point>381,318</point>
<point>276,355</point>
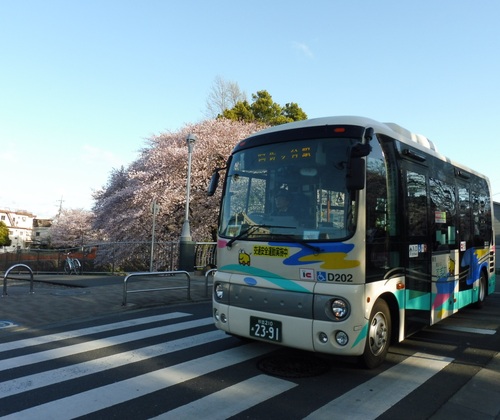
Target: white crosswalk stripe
<point>87,331</point>
<point>160,352</point>
<point>109,395</point>
<point>98,344</point>
<point>243,395</point>
<point>51,377</point>
<point>374,397</point>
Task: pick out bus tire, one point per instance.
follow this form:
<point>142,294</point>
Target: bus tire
<point>481,292</point>
<point>378,337</point>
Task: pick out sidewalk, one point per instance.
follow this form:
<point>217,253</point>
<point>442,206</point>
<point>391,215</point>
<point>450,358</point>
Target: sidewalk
<point>62,298</point>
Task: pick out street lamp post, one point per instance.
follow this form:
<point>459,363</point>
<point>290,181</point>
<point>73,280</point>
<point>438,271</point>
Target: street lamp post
<point>154,211</point>
<point>186,249</point>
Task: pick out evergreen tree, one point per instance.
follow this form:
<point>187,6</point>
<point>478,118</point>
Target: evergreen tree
<point>4,235</point>
<point>264,110</point>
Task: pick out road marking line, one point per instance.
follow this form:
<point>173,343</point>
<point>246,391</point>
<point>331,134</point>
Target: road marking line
<point>108,395</point>
<point>6,324</point>
<point>28,342</point>
<point>54,376</point>
<point>43,356</point>
<point>231,400</point>
<point>376,396</point>
<point>484,331</point>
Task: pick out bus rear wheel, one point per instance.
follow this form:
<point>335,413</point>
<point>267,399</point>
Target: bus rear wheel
<point>482,285</point>
<point>378,337</point>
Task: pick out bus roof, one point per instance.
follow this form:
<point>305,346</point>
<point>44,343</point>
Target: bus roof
<point>383,128</point>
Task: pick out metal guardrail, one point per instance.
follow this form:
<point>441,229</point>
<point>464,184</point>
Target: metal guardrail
<point>156,274</point>
<point>18,266</point>
<point>210,272</point>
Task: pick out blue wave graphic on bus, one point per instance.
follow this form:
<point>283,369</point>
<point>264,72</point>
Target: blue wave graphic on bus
<point>472,258</point>
<point>332,256</point>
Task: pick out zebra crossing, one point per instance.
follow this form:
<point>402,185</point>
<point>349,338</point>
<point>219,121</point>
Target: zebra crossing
<point>173,366</point>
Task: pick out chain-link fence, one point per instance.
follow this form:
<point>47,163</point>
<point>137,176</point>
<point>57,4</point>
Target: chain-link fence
<point>112,257</point>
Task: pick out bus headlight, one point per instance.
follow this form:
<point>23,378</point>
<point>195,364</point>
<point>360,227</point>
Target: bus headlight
<point>219,291</point>
<point>339,309</point>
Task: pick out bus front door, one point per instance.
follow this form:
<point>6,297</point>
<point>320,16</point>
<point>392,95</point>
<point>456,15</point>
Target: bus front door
<point>416,248</point>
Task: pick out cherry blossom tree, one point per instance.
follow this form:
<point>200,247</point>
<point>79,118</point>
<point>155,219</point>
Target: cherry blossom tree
<point>113,205</point>
<point>123,207</point>
<point>72,228</point>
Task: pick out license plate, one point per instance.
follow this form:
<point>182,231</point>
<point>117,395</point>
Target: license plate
<point>266,329</point>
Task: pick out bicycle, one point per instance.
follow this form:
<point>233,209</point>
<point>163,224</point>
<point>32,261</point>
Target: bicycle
<point>72,265</point>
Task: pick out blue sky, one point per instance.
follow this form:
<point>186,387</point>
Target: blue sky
<point>84,83</point>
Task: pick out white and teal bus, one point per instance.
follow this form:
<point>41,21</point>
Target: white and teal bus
<point>341,234</point>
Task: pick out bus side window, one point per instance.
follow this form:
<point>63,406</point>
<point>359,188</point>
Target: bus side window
<point>416,204</point>
<point>481,214</point>
<point>443,215</point>
<point>465,225</point>
<point>376,212</point>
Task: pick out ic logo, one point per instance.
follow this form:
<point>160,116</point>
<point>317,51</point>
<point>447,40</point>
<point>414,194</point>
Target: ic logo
<point>306,274</point>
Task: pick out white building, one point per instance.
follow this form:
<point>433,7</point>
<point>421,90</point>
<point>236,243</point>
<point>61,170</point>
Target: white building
<point>41,233</point>
<point>20,225</point>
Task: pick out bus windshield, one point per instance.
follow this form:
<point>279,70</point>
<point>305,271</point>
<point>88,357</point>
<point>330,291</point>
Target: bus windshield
<point>289,191</point>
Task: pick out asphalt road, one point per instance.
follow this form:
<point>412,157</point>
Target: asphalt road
<point>161,353</point>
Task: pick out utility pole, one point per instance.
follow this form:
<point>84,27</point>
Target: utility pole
<point>60,206</point>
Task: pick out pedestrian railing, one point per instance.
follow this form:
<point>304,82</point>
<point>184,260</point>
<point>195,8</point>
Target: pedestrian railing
<point>209,273</point>
<point>18,267</point>
<point>156,274</point>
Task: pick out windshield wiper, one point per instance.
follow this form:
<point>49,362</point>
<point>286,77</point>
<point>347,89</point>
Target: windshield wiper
<point>243,234</point>
<point>316,249</point>
<point>251,229</point>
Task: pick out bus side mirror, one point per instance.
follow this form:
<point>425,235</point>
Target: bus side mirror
<point>214,182</point>
<point>355,177</point>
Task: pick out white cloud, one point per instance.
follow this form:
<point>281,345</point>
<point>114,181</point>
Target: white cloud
<point>304,49</point>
